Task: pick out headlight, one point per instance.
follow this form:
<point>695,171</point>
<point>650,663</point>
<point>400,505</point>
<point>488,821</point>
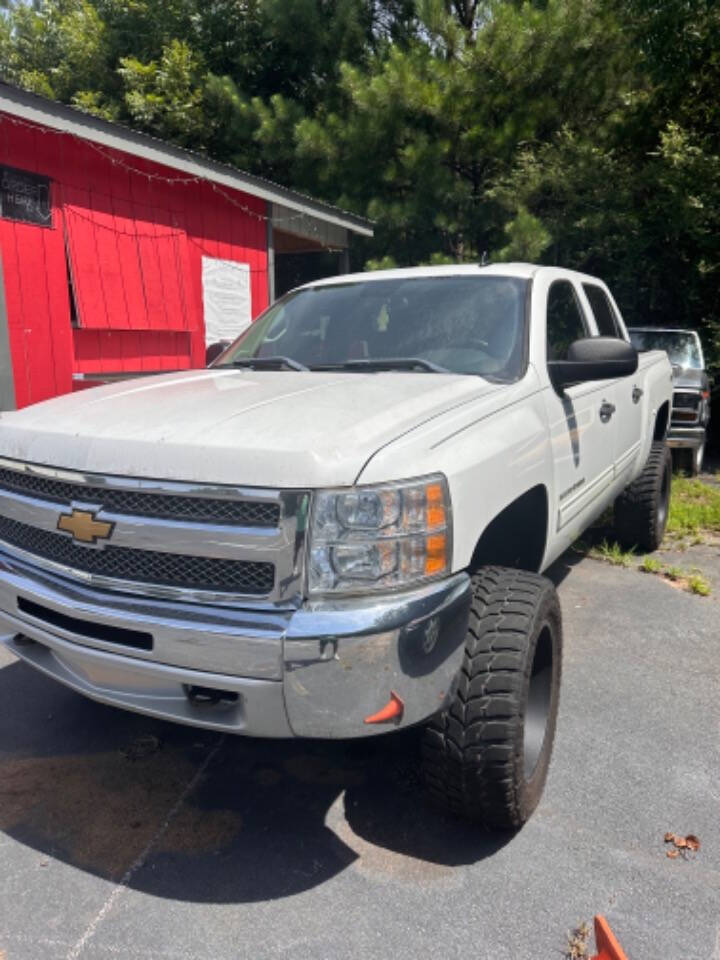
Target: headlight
<point>380,537</point>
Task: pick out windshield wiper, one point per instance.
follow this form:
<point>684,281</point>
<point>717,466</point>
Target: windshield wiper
<point>266,363</point>
<point>389,363</point>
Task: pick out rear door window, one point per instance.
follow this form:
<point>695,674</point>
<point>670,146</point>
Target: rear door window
<point>602,310</point>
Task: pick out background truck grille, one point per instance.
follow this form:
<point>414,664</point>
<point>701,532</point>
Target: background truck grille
<point>686,407</point>
<point>215,574</point>
<point>686,400</point>
<point>246,513</point>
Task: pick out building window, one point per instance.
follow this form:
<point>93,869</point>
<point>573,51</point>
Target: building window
<point>25,197</point>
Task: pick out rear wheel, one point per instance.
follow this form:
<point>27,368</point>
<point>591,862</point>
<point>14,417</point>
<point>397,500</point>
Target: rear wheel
<point>641,510</point>
<point>486,758</point>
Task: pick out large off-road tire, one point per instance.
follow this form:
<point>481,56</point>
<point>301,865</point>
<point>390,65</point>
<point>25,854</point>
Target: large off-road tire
<point>641,510</point>
<point>486,757</point>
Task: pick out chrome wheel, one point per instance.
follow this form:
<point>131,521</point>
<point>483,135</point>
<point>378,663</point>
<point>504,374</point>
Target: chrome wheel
<point>698,458</point>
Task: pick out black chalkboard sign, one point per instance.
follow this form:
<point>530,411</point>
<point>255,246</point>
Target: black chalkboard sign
<point>25,196</point>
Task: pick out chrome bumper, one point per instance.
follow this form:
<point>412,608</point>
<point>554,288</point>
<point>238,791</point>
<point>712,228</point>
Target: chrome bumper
<point>683,437</point>
<point>316,671</point>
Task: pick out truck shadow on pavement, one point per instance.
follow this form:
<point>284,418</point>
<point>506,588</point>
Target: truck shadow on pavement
<point>187,814</point>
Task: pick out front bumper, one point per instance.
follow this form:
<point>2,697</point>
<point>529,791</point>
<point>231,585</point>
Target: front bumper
<point>685,437</point>
<point>316,671</point>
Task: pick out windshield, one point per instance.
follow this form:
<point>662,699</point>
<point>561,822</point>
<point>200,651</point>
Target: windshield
<point>682,348</point>
<point>461,324</point>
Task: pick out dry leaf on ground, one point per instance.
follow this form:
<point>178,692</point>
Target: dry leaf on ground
<point>680,843</point>
<point>577,946</point>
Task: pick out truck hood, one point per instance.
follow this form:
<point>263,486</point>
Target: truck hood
<point>255,428</point>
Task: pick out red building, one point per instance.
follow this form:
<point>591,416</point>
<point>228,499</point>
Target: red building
<point>122,254</point>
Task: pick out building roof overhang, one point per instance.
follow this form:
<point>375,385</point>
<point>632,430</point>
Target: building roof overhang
<point>35,109</point>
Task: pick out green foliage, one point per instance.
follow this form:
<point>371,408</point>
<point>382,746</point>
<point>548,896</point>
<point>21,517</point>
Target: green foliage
<point>385,263</point>
<point>50,47</point>
<point>166,95</point>
<point>613,553</point>
<point>694,507</point>
<point>579,132</point>
<point>527,237</point>
<point>699,585</point>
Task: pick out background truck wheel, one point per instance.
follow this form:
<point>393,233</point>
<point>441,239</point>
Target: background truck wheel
<point>641,510</point>
<point>486,758</point>
<point>689,460</point>
<point>692,460</point>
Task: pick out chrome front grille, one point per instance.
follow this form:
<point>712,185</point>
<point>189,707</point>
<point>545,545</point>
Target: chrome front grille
<point>143,566</point>
<point>685,399</point>
<point>140,503</point>
<point>188,541</point>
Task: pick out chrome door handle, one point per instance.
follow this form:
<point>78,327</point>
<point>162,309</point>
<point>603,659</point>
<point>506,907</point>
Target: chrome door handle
<point>636,394</point>
<point>606,411</point>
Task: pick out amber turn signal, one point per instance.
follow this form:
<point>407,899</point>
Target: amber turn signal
<point>436,554</point>
<point>435,498</point>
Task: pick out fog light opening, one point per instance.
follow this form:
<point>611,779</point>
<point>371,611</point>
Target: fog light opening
<point>209,695</point>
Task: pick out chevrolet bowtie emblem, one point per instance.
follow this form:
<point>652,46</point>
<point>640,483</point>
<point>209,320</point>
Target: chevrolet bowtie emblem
<point>84,527</point>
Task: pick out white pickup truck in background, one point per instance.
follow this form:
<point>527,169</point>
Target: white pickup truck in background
<point>339,529</point>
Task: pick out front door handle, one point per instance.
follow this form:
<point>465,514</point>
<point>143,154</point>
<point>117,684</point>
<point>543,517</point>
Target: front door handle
<point>636,394</point>
<point>606,411</point>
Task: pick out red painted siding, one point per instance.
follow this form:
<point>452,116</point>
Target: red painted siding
<point>129,350</point>
<point>132,235</point>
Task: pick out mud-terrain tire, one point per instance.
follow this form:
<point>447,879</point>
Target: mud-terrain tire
<point>486,757</point>
<point>641,510</point>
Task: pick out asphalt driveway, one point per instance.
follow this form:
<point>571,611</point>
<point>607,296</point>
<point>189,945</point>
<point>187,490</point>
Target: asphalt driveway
<point>125,837</point>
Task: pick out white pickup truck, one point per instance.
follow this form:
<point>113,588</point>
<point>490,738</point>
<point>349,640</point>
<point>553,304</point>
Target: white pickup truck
<point>338,529</point>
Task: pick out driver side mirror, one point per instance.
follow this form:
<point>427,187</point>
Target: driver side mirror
<point>594,358</point>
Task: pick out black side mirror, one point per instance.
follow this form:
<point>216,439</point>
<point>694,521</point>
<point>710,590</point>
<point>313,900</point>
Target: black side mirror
<point>213,351</point>
<point>594,358</point>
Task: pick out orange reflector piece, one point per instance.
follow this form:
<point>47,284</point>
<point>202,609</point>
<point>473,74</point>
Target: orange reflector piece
<point>606,942</point>
<point>435,554</point>
<point>435,506</point>
<point>393,710</point>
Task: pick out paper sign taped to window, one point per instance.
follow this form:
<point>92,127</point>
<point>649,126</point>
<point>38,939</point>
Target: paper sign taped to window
<point>227,302</point>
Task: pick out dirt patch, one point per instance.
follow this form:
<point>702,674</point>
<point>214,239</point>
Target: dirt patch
<point>322,771</point>
<point>101,811</point>
<point>196,831</point>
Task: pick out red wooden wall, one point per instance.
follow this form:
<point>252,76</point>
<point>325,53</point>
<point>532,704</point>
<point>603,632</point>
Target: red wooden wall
<point>131,236</point>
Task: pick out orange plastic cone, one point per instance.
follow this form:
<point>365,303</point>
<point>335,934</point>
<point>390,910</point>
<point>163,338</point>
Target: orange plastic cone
<point>607,946</point>
<point>393,710</point>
